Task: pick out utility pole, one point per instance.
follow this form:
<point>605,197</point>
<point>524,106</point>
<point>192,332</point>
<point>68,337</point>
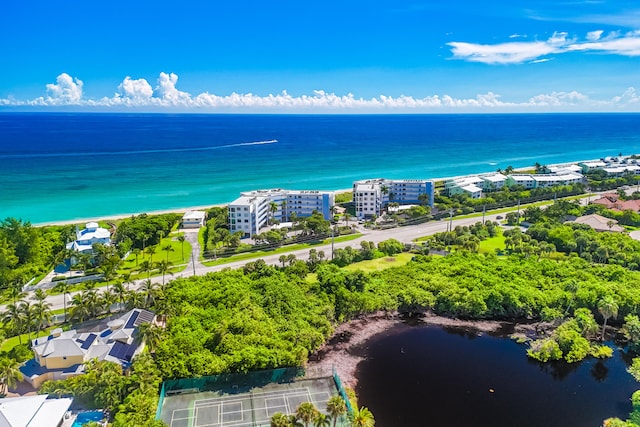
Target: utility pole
<point>193,262</point>
<point>484,210</point>
<point>332,239</point>
<point>450,220</point>
<point>518,213</point>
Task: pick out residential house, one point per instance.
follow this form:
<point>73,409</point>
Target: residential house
<point>33,411</point>
<point>600,223</point>
<point>86,238</point>
<point>63,353</point>
<point>193,219</point>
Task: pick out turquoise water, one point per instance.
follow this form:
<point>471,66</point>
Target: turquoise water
<point>56,167</point>
<point>85,417</point>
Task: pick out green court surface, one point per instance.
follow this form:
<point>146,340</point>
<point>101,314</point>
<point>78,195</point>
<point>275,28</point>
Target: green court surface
<point>244,408</point>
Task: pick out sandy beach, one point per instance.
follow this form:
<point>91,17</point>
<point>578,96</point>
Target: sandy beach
<point>154,212</point>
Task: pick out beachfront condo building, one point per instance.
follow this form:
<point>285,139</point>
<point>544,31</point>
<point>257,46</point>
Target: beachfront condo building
<point>256,209</point>
<point>371,196</point>
<point>475,185</point>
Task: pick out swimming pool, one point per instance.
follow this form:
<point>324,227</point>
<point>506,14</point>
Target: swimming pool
<point>85,417</point>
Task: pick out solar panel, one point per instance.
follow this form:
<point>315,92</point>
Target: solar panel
<point>144,317</point>
<point>87,343</point>
<point>132,320</point>
<point>122,351</point>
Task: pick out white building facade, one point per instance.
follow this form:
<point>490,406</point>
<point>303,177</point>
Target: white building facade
<point>254,209</point>
<point>371,196</point>
<point>85,239</point>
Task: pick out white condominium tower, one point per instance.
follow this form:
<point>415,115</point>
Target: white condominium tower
<point>253,209</point>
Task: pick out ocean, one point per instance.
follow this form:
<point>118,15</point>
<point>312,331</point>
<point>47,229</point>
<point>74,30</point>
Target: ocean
<point>66,166</point>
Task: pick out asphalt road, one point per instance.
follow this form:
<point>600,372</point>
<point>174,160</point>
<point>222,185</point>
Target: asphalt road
<point>403,234</point>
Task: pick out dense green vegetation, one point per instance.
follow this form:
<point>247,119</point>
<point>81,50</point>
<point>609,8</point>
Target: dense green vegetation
<point>133,397</point>
<point>27,252</point>
<point>143,230</point>
<point>507,196</point>
<point>263,317</point>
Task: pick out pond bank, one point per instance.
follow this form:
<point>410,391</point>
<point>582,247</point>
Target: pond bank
<point>348,345</point>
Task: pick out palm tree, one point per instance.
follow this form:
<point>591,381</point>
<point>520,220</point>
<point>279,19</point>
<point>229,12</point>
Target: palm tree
<point>336,408</point>
<point>322,420</point>
<point>148,289</point>
<point>306,413</point>
<point>362,417</point>
<point>291,258</point>
<point>163,266</point>
<point>608,307</point>
<point>120,292</point>
<point>181,239</point>
<point>135,300</point>
<point>151,335</point>
<point>42,314</point>
<point>42,309</point>
<point>28,315</point>
<point>80,308</point>
<point>126,278</point>
<point>282,259</point>
<point>280,420</point>
<point>168,248</point>
<point>10,374</point>
<point>273,208</point>
<point>13,316</point>
<point>151,250</point>
<point>63,287</point>
<point>93,301</point>
<point>145,266</point>
<point>136,253</point>
<point>15,293</point>
<point>108,298</point>
<point>283,206</point>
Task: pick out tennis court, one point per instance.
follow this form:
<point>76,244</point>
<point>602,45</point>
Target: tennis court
<point>255,407</point>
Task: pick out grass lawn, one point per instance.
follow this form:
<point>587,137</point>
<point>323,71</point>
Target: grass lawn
<point>9,343</point>
<point>280,250</point>
<point>489,246</point>
<point>175,256</point>
<point>380,263</point>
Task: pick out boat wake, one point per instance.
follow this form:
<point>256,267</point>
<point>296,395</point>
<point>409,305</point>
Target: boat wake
<point>129,152</point>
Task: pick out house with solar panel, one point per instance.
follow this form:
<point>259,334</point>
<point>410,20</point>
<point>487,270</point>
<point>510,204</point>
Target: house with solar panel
<point>62,354</point>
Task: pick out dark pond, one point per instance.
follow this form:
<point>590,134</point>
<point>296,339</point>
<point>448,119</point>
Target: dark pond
<point>434,376</point>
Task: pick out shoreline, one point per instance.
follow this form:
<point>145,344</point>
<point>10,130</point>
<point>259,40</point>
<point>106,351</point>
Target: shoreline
<point>204,207</point>
<point>153,212</point>
<point>344,349</point>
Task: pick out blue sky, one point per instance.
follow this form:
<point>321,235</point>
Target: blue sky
<point>330,56</point>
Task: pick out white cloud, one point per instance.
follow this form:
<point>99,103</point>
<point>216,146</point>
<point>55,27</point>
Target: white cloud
<point>535,51</point>
<point>594,35</point>
<point>557,99</point>
<point>166,90</point>
<point>135,91</point>
<point>627,45</point>
<point>628,98</point>
<point>66,91</point>
<point>138,94</point>
<point>504,53</point>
